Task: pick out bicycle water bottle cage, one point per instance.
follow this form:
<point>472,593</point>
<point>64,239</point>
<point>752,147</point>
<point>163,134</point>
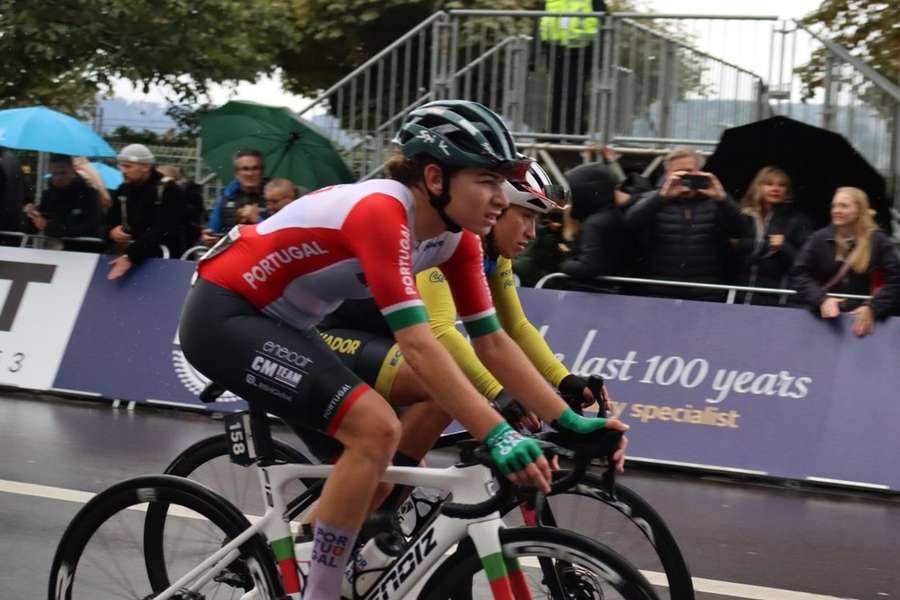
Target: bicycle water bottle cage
<point>249,437</point>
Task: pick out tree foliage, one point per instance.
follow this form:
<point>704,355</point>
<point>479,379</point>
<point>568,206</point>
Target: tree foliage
<point>62,52</point>
<point>336,37</point>
<point>867,28</point>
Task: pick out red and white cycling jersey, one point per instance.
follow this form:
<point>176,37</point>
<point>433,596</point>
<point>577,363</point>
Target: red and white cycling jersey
<point>349,241</point>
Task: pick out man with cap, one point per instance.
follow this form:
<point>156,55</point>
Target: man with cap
<point>146,211</point>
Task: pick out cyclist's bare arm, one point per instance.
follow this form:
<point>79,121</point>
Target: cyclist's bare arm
<point>455,395</point>
<point>509,364</point>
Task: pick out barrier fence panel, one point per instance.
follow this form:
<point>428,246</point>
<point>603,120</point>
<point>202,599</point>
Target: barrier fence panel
<point>853,99</point>
<point>741,389</point>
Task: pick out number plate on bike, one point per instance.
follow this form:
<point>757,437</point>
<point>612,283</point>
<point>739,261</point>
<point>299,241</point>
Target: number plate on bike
<point>240,438</point>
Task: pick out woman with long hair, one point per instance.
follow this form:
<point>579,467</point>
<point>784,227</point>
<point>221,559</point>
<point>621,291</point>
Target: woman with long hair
<point>775,231</point>
<point>850,256</point>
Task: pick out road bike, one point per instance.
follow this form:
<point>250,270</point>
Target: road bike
<point>598,506</point>
<point>210,549</point>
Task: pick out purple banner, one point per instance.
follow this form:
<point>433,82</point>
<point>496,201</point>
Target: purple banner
<point>767,390</point>
<point>764,390</point>
<point>125,341</point>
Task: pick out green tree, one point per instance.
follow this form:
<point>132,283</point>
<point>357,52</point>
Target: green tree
<point>62,52</point>
<point>867,28</point>
<point>333,38</point>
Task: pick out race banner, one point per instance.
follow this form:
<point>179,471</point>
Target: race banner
<point>764,390</point>
<point>41,292</point>
<point>745,389</point>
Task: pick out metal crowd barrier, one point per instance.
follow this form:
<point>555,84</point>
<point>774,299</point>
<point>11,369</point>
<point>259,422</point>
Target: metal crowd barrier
<point>731,289</point>
<point>44,242</point>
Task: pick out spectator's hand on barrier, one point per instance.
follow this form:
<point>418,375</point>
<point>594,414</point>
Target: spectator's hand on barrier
<point>776,242</point>
<point>209,238</point>
<point>118,235</point>
<point>863,320</point>
<point>715,189</point>
<point>830,308</point>
<point>118,267</point>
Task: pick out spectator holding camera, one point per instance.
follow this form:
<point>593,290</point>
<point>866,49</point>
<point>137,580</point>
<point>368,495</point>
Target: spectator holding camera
<point>774,232</point>
<point>242,200</point>
<point>850,256</point>
<point>69,207</point>
<point>599,244</point>
<point>686,226</point>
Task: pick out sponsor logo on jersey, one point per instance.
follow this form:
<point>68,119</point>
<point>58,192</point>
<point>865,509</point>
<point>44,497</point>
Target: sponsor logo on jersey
<point>274,261</point>
<point>407,277</point>
<point>339,344</point>
<point>276,372</point>
<point>336,400</point>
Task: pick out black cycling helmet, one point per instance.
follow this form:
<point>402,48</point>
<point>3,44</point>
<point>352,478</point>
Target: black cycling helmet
<point>459,134</point>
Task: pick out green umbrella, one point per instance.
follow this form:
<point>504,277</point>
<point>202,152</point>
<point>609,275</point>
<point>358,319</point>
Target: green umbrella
<point>292,147</point>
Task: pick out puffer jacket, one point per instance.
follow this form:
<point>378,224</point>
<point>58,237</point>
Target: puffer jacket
<point>686,239</point>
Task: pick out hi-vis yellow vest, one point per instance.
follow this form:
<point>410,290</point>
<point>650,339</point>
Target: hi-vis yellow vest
<point>568,31</point>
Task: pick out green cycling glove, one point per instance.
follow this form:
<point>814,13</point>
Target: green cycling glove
<point>571,421</point>
<point>510,450</point>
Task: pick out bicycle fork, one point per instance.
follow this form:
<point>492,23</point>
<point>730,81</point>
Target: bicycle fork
<point>504,574</point>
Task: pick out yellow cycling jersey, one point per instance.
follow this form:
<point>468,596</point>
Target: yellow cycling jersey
<point>438,300</point>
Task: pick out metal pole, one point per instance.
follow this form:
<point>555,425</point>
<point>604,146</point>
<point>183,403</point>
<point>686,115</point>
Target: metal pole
<point>895,156</point>
<point>606,85</point>
<point>828,109</point>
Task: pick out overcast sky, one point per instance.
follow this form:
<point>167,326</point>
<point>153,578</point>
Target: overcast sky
<point>269,91</point>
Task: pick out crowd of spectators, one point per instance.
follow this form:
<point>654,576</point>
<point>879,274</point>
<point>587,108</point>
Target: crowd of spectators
<point>685,229</point>
<point>155,211</point>
<point>689,229</point>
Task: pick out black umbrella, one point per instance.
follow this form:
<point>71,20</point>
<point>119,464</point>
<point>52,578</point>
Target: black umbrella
<point>818,162</point>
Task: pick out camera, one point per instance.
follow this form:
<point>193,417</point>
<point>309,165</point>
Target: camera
<point>694,182</point>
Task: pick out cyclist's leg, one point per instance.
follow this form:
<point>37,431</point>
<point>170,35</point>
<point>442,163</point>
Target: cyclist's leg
<point>293,374</point>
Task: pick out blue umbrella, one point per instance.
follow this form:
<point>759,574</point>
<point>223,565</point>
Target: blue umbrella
<point>39,128</point>
<point>112,178</point>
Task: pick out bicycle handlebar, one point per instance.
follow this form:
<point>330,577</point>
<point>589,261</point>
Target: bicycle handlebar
<point>581,448</point>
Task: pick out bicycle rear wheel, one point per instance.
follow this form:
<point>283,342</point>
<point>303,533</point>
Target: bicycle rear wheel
<point>101,554</point>
<point>209,463</point>
<point>553,563</point>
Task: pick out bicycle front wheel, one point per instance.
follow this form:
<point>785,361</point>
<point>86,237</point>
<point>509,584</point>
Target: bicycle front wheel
<point>543,563</point>
<point>101,554</point>
<point>627,523</point>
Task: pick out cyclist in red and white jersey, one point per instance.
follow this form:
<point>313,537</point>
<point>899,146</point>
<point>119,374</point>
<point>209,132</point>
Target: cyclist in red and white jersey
<point>248,322</point>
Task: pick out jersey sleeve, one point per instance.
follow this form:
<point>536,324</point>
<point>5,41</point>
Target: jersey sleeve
<point>377,231</point>
<point>442,314</point>
<point>465,274</point>
<point>519,328</point>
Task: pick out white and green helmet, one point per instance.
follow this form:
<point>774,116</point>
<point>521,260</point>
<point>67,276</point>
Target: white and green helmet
<point>537,191</point>
<point>461,133</point>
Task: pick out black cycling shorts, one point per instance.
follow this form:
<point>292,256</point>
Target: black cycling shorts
<point>374,358</point>
<point>285,371</point>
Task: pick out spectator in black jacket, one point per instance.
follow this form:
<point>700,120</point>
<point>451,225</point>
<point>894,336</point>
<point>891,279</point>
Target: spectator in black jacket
<point>850,256</point>
<point>146,211</point>
<point>69,207</point>
<point>774,232</point>
<point>598,247</point>
<point>686,226</point>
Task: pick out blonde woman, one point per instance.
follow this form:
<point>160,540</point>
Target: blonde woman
<point>850,256</point>
<point>775,231</point>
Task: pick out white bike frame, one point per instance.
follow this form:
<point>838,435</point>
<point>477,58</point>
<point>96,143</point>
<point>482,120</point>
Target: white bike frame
<point>468,485</point>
